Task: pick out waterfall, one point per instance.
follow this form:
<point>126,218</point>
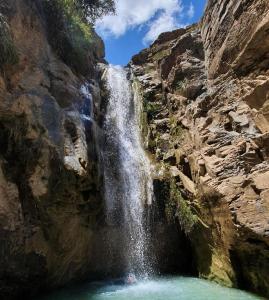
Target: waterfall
<point>127,172</point>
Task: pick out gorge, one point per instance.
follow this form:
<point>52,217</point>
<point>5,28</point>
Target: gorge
<point>157,170</point>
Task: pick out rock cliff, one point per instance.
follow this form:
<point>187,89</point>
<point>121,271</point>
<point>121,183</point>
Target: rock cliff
<point>49,187</point>
<point>205,124</point>
<point>206,127</point>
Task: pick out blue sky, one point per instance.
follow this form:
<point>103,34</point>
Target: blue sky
<point>138,22</point>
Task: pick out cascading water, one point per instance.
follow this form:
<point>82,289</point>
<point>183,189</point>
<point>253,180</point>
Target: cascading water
<point>127,174</point>
<point>128,188</point>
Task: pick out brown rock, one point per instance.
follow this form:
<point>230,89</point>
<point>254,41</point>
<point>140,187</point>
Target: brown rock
<point>47,205</point>
<point>215,85</point>
<point>261,181</point>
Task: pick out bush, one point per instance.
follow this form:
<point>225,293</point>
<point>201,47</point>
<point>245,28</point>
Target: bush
<point>152,108</point>
<point>180,87</point>
<point>70,32</point>
<point>8,52</point>
<point>161,54</point>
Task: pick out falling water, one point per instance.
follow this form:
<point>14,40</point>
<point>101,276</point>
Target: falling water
<point>128,183</point>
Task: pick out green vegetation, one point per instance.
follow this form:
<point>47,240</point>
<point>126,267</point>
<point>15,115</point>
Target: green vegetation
<point>186,217</point>
<point>8,52</point>
<point>152,107</point>
<point>176,130</point>
<point>70,30</point>
<point>94,9</point>
<point>149,69</point>
<point>180,86</point>
<point>161,54</point>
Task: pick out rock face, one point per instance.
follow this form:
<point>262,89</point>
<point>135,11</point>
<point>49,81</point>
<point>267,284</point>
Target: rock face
<point>206,125</point>
<point>49,187</point>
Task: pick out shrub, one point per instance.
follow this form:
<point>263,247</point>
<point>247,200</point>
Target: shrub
<point>152,108</point>
<point>70,32</point>
<point>8,52</point>
<point>180,87</point>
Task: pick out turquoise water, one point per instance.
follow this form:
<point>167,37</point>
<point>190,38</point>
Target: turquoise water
<point>165,288</point>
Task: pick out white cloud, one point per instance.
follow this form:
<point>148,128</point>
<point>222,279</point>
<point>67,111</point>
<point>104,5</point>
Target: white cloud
<point>165,22</point>
<point>157,15</point>
<point>190,12</point>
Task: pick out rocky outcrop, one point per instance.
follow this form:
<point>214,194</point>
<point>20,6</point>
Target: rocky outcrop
<point>205,91</point>
<point>49,187</point>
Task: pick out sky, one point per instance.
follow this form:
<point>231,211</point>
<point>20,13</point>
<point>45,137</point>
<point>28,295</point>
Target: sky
<point>138,23</point>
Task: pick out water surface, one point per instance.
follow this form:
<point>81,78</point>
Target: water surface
<point>165,288</point>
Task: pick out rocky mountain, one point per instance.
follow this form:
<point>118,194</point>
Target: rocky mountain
<point>206,127</point>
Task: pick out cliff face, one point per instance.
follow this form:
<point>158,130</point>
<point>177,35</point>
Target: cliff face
<point>235,36</point>
<point>206,126</point>
<point>49,189</point>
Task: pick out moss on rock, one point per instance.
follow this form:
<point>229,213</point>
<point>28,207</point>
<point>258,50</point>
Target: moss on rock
<point>186,217</point>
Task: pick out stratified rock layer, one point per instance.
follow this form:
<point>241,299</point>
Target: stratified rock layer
<point>206,124</point>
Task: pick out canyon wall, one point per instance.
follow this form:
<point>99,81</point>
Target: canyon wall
<point>49,183</point>
<point>206,128</point>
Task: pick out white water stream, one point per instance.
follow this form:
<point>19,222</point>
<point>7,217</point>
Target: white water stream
<point>127,174</point>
